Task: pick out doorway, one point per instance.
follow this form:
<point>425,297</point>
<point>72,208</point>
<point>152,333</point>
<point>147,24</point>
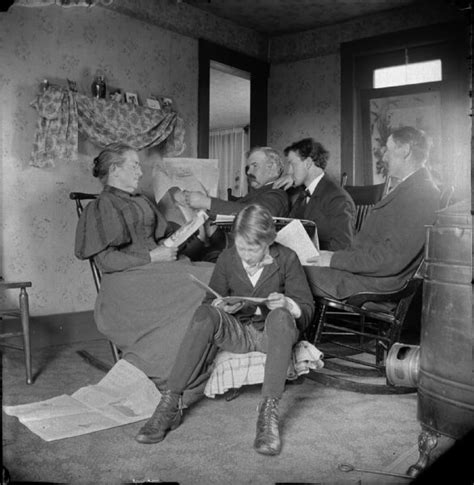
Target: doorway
<point>258,71</point>
<point>229,123</point>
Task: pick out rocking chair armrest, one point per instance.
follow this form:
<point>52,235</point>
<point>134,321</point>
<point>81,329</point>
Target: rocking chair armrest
<point>356,310</point>
<point>406,290</point>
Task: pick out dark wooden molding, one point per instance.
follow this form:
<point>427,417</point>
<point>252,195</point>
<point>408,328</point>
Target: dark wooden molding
<point>354,52</point>
<point>259,72</point>
<point>5,5</point>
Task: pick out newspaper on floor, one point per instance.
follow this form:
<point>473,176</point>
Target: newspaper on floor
<point>125,395</point>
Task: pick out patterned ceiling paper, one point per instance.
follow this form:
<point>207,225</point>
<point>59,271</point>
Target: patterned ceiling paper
<point>275,17</point>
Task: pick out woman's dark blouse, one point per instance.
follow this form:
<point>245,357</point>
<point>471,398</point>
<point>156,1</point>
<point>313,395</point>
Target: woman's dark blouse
<point>119,230</point>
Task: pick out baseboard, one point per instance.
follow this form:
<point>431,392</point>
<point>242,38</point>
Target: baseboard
<point>59,329</point>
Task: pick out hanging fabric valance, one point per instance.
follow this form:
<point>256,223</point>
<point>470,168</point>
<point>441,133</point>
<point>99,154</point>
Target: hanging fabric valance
<point>62,113</point>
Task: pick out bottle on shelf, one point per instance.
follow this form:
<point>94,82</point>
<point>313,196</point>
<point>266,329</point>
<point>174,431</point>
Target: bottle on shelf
<point>44,86</point>
<point>99,87</point>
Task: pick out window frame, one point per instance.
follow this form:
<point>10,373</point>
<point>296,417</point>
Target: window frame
<point>360,57</point>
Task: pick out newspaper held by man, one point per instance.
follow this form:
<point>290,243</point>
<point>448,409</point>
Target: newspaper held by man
<point>172,176</point>
<point>294,236</point>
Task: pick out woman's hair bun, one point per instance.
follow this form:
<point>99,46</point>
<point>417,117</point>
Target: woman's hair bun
<point>95,169</point>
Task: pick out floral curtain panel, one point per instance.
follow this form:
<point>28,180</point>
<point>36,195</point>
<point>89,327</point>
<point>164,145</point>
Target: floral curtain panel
<point>62,113</point>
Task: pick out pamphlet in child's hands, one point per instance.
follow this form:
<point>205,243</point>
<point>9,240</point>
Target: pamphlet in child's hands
<point>294,236</point>
<point>186,230</point>
<point>230,300</point>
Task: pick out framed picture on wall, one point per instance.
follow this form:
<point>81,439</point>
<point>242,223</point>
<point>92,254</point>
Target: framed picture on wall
<point>153,103</point>
<point>131,98</point>
<point>384,110</point>
<point>116,95</point>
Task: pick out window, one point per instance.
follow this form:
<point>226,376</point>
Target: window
<point>379,75</point>
<point>402,75</point>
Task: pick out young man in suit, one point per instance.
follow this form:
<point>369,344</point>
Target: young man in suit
<point>323,201</point>
<point>389,247</point>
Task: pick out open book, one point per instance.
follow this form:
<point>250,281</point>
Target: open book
<point>294,236</point>
<point>230,300</point>
<point>186,230</point>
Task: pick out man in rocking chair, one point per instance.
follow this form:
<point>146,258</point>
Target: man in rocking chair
<point>389,247</point>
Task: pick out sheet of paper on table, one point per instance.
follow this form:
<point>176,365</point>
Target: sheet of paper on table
<point>294,236</point>
<point>125,395</point>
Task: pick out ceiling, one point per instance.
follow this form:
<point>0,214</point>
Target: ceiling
<point>276,17</point>
<point>230,95</point>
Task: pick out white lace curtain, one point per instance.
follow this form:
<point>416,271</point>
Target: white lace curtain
<point>230,147</point>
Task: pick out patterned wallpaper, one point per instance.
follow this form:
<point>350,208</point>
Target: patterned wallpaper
<point>304,100</point>
<point>304,85</point>
<point>38,219</point>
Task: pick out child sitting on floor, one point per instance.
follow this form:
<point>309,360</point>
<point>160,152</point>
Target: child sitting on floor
<point>254,266</point>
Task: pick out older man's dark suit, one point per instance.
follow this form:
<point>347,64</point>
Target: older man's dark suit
<point>333,211</point>
<point>275,200</point>
<point>388,248</point>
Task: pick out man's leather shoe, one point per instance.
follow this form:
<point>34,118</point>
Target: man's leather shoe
<point>267,440</point>
<point>167,416</point>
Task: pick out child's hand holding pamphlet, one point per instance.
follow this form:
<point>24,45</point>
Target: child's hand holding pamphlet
<point>229,301</point>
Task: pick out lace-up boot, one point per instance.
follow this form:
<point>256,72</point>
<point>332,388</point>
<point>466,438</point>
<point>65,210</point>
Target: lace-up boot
<point>267,440</point>
<point>167,416</point>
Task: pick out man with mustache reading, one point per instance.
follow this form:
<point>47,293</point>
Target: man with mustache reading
<point>264,166</point>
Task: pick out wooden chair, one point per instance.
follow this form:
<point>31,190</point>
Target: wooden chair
<point>365,197</point>
<point>79,198</point>
<point>367,323</point>
<point>230,196</point>
<point>23,313</point>
<point>363,325</point>
<point>343,179</point>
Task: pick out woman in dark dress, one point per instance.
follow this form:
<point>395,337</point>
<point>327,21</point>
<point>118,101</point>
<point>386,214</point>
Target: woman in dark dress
<point>146,298</point>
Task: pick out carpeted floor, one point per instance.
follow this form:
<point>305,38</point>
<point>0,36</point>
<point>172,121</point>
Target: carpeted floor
<point>321,428</point>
